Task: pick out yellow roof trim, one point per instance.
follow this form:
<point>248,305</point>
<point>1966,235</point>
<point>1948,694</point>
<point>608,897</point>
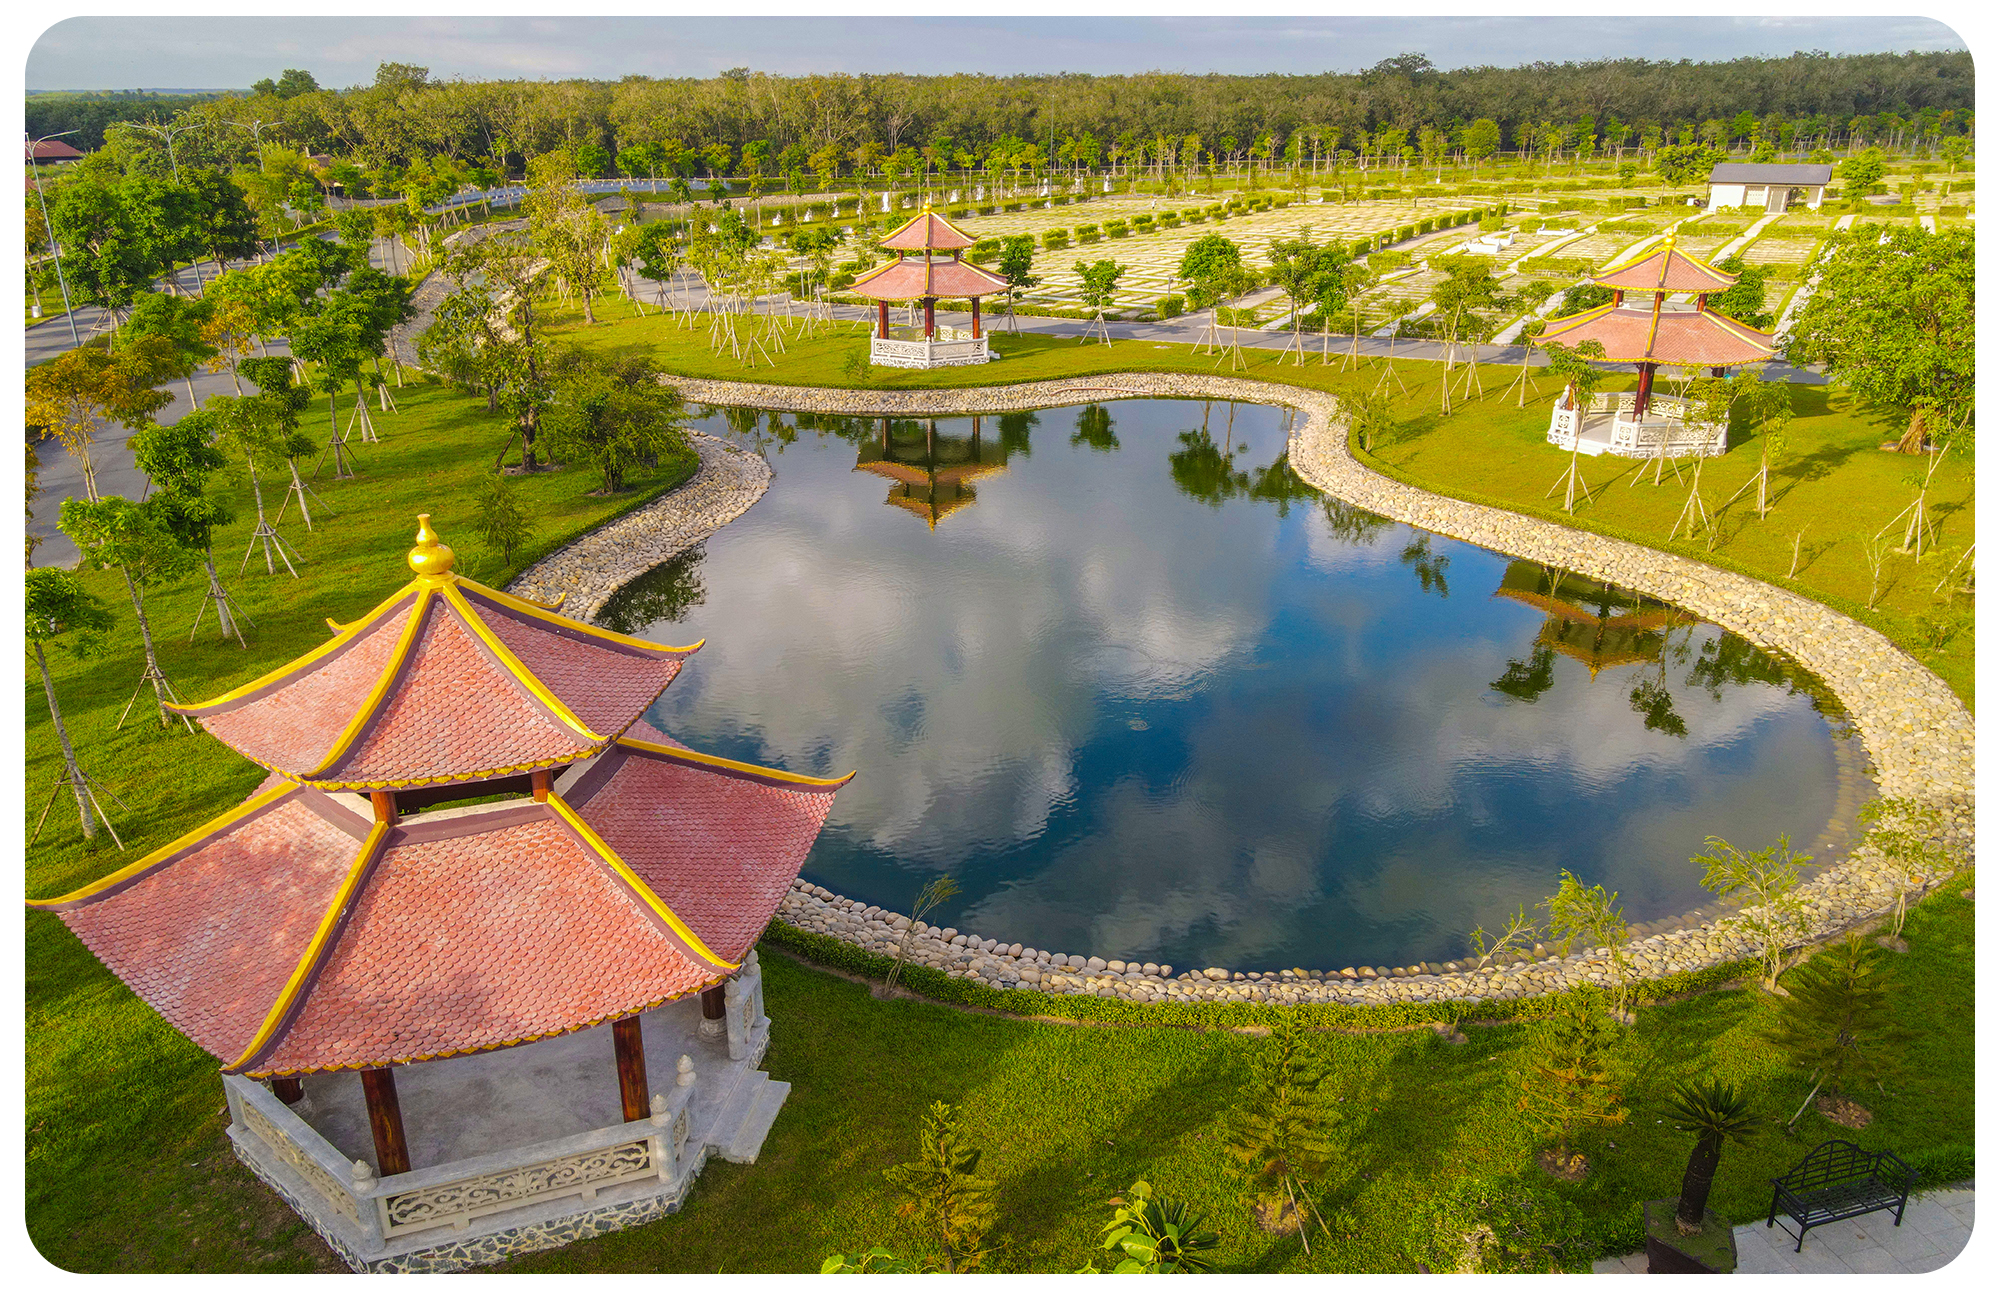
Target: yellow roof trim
<point>543,612</point>
<point>378,693</point>
<point>625,875</point>
<point>529,681</point>
<point>168,852</point>
<point>316,949</point>
<point>724,763</point>
<point>312,656</point>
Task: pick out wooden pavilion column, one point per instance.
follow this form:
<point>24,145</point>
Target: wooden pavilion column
<point>975,318</point>
<point>385,1121</point>
<point>289,1091</point>
<point>882,319</point>
<point>930,317</point>
<point>538,782</point>
<point>385,807</point>
<point>633,1095</point>
<point>1645,395</point>
<point>713,1009</point>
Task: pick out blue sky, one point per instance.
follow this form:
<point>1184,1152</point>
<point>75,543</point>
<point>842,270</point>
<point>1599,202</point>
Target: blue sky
<point>217,52</point>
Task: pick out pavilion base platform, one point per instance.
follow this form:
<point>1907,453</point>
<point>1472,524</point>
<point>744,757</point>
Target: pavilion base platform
<point>918,351</point>
<point>1607,425</point>
<point>517,1149</point>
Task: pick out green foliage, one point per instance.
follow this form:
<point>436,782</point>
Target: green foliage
<point>1171,306</point>
<point>57,605</point>
<point>1155,1235</point>
<point>876,1260</point>
<point>180,459</point>
<point>1098,282</point>
<point>1594,915</point>
<point>1744,300</point>
<point>118,533</point>
<point>1280,1139</point>
<point>1716,1113</point>
<point>949,1206</point>
<point>1767,881</point>
<point>1492,1225</point>
<point>503,522</point>
<point>1909,836</point>
<point>1838,1020</point>
<point>1567,1082</point>
<point>614,415</point>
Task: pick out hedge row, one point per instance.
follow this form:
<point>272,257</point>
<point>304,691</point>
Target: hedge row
<point>831,952</point>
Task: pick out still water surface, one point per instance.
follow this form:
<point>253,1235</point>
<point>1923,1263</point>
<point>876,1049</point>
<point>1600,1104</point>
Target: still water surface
<point>1146,695</point>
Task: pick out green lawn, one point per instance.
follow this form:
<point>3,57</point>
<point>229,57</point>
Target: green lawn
<point>1830,484</point>
<point>127,1168</point>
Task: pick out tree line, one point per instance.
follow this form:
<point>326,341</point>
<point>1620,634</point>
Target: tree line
<point>742,120</point>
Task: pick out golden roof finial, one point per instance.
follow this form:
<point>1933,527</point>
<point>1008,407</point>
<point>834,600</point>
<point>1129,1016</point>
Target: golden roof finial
<point>429,556</point>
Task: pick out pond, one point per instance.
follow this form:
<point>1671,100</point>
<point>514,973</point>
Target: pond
<point>1145,694</point>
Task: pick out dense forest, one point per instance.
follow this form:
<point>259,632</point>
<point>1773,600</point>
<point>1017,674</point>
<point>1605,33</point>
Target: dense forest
<point>405,115</point>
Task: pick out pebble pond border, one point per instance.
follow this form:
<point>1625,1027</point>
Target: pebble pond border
<point>1918,735</point>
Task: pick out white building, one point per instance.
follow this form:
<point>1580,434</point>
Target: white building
<point>1767,187</point>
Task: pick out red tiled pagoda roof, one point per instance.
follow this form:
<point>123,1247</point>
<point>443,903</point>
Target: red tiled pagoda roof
<point>1686,337</point>
<point>927,231</point>
<point>1667,269</point>
<point>915,278</point>
<point>295,934</point>
<point>446,680</point>
<point>300,932</point>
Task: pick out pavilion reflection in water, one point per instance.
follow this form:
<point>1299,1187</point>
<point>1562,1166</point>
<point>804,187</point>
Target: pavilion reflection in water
<point>1599,625</point>
<point>931,474</point>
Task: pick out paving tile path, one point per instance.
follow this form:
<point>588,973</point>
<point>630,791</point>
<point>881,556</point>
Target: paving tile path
<point>1935,1230</point>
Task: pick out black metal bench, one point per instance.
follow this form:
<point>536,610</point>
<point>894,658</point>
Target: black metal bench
<point>1840,1180</point>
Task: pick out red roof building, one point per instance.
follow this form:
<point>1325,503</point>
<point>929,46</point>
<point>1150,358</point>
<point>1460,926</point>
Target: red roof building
<point>936,272</point>
<point>322,926</point>
<point>1650,332</point>
<point>50,151</point>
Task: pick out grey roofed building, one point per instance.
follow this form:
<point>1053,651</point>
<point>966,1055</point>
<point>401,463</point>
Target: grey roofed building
<point>1769,187</point>
<point>1740,172</point>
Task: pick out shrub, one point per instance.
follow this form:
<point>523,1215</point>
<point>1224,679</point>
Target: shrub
<point>1086,232</point>
<point>1236,317</point>
<point>1170,306</point>
<point>1424,226</point>
<point>1138,221</point>
<point>1010,207</point>
<point>1055,239</point>
<point>1498,1225</point>
<point>1115,228</point>
<point>1169,220</point>
<point>988,210</point>
<point>960,213</point>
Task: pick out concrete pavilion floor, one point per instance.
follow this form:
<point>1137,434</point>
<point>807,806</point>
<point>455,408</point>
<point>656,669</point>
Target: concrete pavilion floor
<point>514,1097</point>
<point>1935,1229</point>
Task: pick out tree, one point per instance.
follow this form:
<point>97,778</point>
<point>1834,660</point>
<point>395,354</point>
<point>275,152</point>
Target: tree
<point>1862,173</point>
<point>1279,1139</point>
<point>1481,139</point>
<point>564,227</point>
<point>116,532</point>
<point>1686,164</point>
<point>1157,1235</point>
<point>103,255</point>
<point>1493,1225</point>
<point>1573,367</point>
<point>1837,1019</point>
<point>333,338</point>
<point>225,228</point>
<point>945,1200</point>
<point>180,459</point>
<point>57,606</point>
<point>256,428</point>
<point>1567,1083</point>
<point>1767,881</point>
<point>1715,1113</point>
<point>1767,405</point>
<point>273,376</point>
<point>1017,259</point>
<point>1594,915</point>
<point>1098,283</point>
<point>614,415</point>
<point>1909,838</point>
<point>514,368</point>
<point>503,524</point>
<point>1744,300</point>
<point>177,321</point>
<point>72,395</point>
<point>1892,319</point>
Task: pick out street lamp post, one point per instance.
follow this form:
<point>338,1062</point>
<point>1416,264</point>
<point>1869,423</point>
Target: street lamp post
<point>55,242</point>
<point>167,132</point>
<point>256,126</point>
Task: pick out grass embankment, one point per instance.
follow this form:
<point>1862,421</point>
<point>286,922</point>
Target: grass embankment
<point>1830,484</point>
<point>121,1110</point>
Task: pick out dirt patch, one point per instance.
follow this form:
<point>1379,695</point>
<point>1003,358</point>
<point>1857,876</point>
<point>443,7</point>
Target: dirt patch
<point>1845,1113</point>
<point>1278,1215</point>
<point>1573,1169</point>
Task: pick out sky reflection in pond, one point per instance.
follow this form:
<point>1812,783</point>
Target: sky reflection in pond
<point>1147,695</point>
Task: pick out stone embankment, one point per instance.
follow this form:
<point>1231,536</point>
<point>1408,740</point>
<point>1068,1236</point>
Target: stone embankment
<point>1917,733</point>
<point>589,570</point>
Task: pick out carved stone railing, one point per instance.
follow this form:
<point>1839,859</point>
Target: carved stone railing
<point>1666,417</point>
<point>367,1212</point>
<point>743,1011</point>
<point>894,352</point>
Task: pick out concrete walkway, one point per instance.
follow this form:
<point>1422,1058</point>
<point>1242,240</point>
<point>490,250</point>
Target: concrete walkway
<point>1934,1232</point>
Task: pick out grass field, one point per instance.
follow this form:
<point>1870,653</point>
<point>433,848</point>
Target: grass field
<point>1830,485</point>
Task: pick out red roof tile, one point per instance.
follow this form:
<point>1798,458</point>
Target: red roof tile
<point>718,842</point>
<point>926,231</point>
<point>1683,337</point>
<point>1667,269</point>
<point>603,684</point>
<point>916,278</point>
<point>480,941</point>
<point>210,939</point>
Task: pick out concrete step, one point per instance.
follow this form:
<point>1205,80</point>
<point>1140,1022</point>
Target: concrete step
<point>720,1130</point>
<point>756,1123</point>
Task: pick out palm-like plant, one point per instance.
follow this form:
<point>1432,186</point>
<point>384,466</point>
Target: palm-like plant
<point>1715,1113</point>
<point>1157,1235</point>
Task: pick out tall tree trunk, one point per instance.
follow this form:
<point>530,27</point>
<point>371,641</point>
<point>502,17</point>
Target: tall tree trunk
<point>299,491</point>
<point>1695,1183</point>
<point>69,753</point>
<point>1913,437</point>
<point>228,621</point>
<point>146,635</point>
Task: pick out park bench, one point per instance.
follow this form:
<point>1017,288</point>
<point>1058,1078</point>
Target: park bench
<point>1840,1180</point>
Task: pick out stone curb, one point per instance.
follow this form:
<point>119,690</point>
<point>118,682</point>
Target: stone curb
<point>1918,735</point>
